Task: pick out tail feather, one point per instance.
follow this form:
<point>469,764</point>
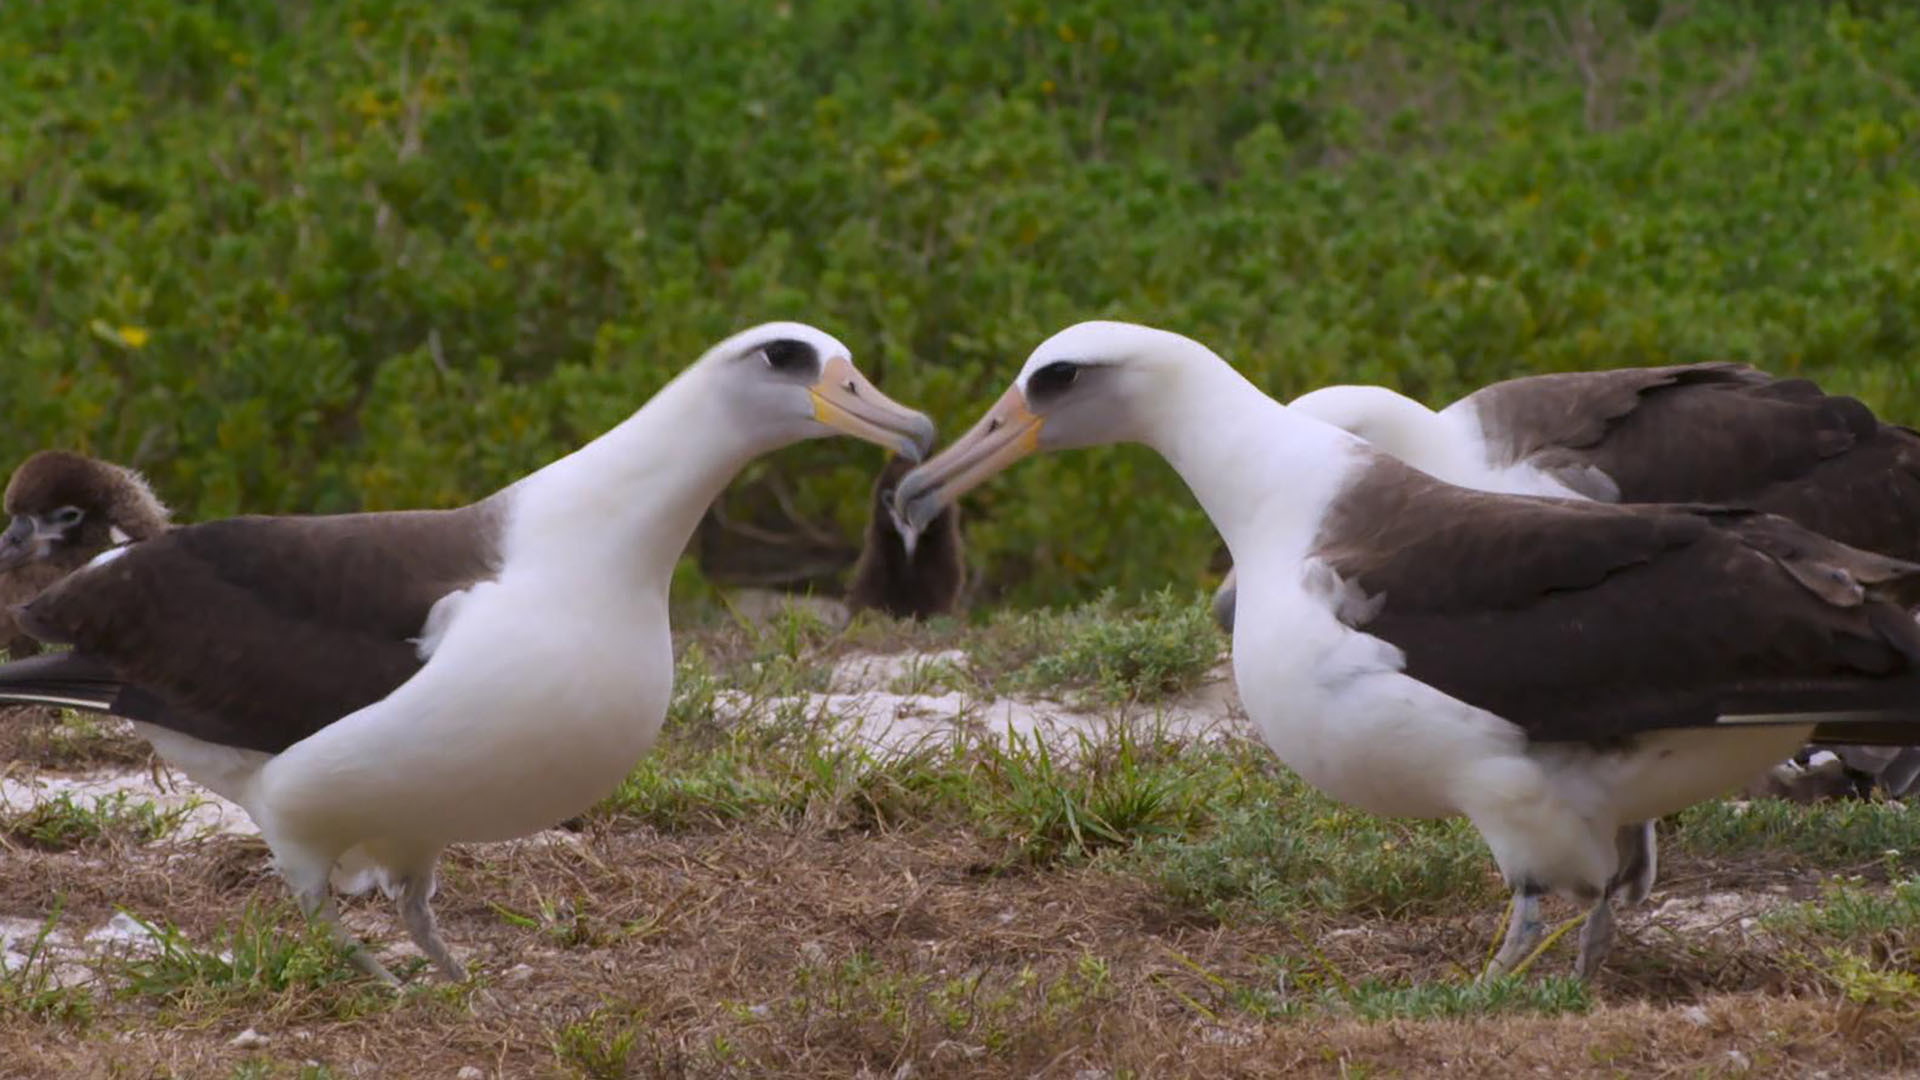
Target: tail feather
<point>1860,727</point>
<point>60,679</point>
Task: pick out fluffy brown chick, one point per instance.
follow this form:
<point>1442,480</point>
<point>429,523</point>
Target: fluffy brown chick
<point>914,581</point>
<point>66,509</point>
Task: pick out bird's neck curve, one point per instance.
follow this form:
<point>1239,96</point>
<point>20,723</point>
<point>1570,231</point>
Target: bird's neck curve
<point>1435,443</point>
<point>623,507</point>
<point>1263,474</point>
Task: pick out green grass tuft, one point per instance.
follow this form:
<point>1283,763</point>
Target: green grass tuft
<point>1551,995</point>
<point>1106,651</point>
<point>1840,833</point>
<point>599,1046</point>
<point>1115,793</point>
<point>63,824</point>
<point>31,988</point>
<point>255,959</point>
<point>1279,847</point>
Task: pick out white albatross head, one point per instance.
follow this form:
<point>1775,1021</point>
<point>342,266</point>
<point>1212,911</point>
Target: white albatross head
<point>788,381</point>
<point>1090,384</point>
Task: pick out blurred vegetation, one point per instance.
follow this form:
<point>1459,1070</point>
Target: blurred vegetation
<point>380,253</point>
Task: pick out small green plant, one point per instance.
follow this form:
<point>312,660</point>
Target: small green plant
<point>1835,834</point>
<point>1278,846</point>
<point>62,824</point>
<point>251,959</point>
<point>567,922</point>
<point>30,987</point>
<point>1111,794</point>
<point>1870,985</point>
<point>1153,651</point>
<point>925,675</point>
<point>1372,999</point>
<point>600,1046</point>
<point>1851,913</point>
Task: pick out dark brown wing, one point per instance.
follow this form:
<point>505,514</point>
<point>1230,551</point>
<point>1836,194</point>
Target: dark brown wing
<point>1589,622</point>
<point>259,631</point>
<point>1578,409</point>
<point>1726,434</point>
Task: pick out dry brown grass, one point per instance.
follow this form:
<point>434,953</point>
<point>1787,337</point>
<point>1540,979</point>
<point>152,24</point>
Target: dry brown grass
<point>35,737</point>
<point>808,951</point>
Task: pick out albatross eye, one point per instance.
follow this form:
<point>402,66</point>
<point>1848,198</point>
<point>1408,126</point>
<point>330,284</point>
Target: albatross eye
<point>67,516</point>
<point>1052,379</point>
<point>789,357</point>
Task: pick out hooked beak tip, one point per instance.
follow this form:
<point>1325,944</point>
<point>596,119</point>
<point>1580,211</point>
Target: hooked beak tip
<point>917,441</point>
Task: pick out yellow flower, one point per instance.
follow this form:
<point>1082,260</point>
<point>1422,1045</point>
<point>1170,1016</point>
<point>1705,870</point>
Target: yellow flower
<point>135,336</point>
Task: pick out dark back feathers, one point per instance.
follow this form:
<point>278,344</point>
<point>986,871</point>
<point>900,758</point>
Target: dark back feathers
<point>1721,433</point>
<point>259,631</point>
<point>1592,622</point>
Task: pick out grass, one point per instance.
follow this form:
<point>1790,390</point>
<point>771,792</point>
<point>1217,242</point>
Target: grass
<point>600,1045</point>
<point>67,740</point>
<point>1115,792</point>
<point>1106,652</point>
<point>765,895</point>
<point>1280,848</point>
<point>63,824</point>
<point>1373,999</point>
<point>1847,911</point>
<point>31,988</point>
<point>268,956</point>
<point>1838,834</point>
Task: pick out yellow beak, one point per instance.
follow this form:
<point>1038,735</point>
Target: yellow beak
<point>844,400</point>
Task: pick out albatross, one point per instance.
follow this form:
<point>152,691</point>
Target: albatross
<point>66,508</point>
<point>1551,669</point>
<point>371,688</point>
<point>1723,433</point>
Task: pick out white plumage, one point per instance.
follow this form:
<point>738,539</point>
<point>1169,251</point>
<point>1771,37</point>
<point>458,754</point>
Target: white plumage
<point>543,680</point>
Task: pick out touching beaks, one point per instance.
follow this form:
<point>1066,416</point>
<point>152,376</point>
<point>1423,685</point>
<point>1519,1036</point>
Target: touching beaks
<point>846,401</point>
<point>1009,432</point>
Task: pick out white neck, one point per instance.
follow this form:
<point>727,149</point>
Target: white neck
<point>1435,443</point>
<point>623,507</point>
<point>1263,474</point>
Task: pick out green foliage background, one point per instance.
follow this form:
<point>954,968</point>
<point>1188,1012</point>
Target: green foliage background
<point>380,253</point>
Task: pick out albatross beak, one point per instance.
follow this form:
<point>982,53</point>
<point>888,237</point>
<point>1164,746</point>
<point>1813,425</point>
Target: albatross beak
<point>16,546</point>
<point>1009,432</point>
<point>845,401</point>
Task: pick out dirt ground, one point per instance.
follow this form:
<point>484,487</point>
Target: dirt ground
<point>803,948</point>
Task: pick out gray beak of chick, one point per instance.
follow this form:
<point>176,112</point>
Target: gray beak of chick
<point>909,532</point>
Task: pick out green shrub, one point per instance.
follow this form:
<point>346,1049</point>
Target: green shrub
<point>390,253</point>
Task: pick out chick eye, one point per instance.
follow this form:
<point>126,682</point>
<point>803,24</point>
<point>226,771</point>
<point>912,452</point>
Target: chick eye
<point>68,516</point>
<point>789,357</point>
<point>1052,379</point>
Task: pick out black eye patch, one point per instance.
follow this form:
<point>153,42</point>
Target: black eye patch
<point>790,357</point>
<point>1051,381</point>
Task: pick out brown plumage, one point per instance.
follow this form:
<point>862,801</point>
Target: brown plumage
<point>1716,433</point>
<point>1720,433</point>
<point>66,508</point>
<point>907,585</point>
<point>259,631</point>
<point>1562,600</point>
